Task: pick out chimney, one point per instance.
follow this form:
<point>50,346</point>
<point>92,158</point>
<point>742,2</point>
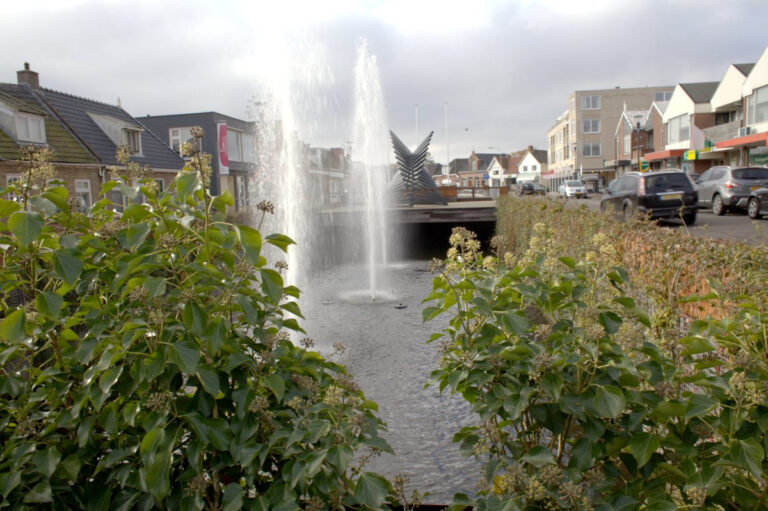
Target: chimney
<point>28,76</point>
<point>530,148</point>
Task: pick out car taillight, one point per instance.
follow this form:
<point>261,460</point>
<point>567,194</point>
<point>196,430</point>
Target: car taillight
<point>732,185</point>
<point>641,187</point>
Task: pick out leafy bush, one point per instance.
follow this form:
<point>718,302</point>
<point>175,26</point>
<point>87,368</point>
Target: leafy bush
<point>145,361</point>
<point>579,408</point>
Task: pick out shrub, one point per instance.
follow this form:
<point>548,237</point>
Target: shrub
<point>146,362</point>
<point>577,408</point>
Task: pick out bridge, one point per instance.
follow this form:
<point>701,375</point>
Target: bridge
<point>462,212</point>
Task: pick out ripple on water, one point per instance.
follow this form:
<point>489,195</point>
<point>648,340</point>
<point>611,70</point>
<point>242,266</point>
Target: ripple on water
<point>386,352</point>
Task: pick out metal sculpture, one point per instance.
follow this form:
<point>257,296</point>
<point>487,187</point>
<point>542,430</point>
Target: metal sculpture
<point>412,184</point>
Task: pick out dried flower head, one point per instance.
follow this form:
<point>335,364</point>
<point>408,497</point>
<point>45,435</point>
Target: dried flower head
<point>266,207</point>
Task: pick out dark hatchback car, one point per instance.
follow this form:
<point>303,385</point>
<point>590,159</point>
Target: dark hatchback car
<point>531,189</point>
<point>665,193</point>
<point>758,203</point>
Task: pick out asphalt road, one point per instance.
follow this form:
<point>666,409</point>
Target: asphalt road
<point>731,226</point>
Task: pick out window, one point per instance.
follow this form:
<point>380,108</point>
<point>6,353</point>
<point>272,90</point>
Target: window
<point>132,139</point>
<point>678,129</point>
<point>30,128</point>
<point>662,96</point>
<point>534,168</point>
<point>757,106</point>
<point>83,194</point>
<point>590,150</point>
<point>178,136</point>
<point>234,145</point>
<point>590,102</point>
<point>525,168</point>
<point>116,197</point>
<point>627,143</point>
<point>9,180</point>
<point>590,126</point>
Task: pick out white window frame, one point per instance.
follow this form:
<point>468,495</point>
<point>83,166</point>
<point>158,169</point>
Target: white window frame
<point>234,137</point>
<point>9,180</point>
<point>590,125</point>
<point>590,102</point>
<point>89,202</point>
<point>175,135</point>
<point>23,131</point>
<point>757,106</point>
<point>628,143</point>
<point>589,147</point>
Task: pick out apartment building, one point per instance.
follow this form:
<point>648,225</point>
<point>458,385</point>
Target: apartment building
<point>582,139</point>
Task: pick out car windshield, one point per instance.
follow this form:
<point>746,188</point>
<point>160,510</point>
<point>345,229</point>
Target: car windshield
<point>573,183</point>
<point>667,182</point>
<point>751,173</point>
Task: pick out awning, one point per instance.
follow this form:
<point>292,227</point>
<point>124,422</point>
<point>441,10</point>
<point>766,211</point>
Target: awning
<point>663,155</point>
<point>758,139</point>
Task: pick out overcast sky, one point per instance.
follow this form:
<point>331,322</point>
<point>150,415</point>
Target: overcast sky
<point>505,68</point>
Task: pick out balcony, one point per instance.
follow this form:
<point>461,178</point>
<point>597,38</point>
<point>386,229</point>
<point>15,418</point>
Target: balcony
<point>721,132</point>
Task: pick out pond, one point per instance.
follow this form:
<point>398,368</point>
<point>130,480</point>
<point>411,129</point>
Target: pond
<point>386,352</point>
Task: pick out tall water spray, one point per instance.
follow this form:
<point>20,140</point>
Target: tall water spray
<point>370,139</point>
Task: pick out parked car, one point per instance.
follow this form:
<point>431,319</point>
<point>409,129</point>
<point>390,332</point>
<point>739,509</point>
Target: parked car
<point>572,189</point>
<point>724,188</point>
<point>531,189</point>
<point>667,193</point>
<point>757,205</point>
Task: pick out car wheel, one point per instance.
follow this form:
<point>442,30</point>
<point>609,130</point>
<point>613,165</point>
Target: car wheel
<point>718,208</point>
<point>689,218</point>
<point>626,211</point>
<point>753,208</point>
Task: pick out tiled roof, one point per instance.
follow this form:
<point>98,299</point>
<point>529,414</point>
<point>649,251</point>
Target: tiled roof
<point>459,165</point>
<point>66,147</point>
<point>485,159</point>
<point>745,69</point>
<point>700,92</point>
<point>75,112</point>
<point>540,155</point>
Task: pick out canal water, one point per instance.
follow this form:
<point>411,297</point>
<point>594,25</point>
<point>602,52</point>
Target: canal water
<point>387,354</point>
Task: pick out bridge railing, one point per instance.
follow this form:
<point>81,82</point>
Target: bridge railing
<point>472,193</point>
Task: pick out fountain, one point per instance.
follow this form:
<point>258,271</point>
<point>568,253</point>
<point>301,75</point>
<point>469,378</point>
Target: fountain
<point>370,304</point>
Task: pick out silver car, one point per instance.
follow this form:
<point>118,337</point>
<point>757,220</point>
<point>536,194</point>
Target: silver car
<point>724,188</point>
<point>573,189</point>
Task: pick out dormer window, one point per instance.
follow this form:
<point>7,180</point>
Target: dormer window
<point>132,139</point>
<point>30,128</point>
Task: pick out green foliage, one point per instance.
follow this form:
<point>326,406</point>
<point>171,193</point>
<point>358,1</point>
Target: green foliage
<point>577,404</point>
<point>149,365</point>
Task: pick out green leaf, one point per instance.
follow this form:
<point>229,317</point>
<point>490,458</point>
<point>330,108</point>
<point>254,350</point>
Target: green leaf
<point>46,461</point>
<point>515,322</point>
<point>372,490</point>
<point>276,384</point>
<point>699,405</point>
<point>43,205</point>
<point>186,182</point>
<point>210,380</point>
<point>281,241</point>
<point>49,304</point>
<point>670,409</point>
<point>194,318</point>
<point>8,481</point>
<point>272,284</point>
<point>58,195</point>
<point>8,207</point>
<point>610,321</point>
<point>749,455</point>
<point>251,240</point>
<point>539,456</point>
<point>233,496</point>
<point>40,494</point>
<point>642,446</point>
<point>429,313</point>
<point>221,202</point>
<point>609,401</point>
<point>26,226</point>
<point>132,237</point>
<point>661,505</point>
<point>67,265</point>
<point>185,355</point>
<point>697,345</point>
<point>12,328</point>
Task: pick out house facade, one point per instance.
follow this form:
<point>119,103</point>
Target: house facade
<point>229,140</point>
<point>583,139</point>
<point>532,165</point>
<point>83,134</point>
